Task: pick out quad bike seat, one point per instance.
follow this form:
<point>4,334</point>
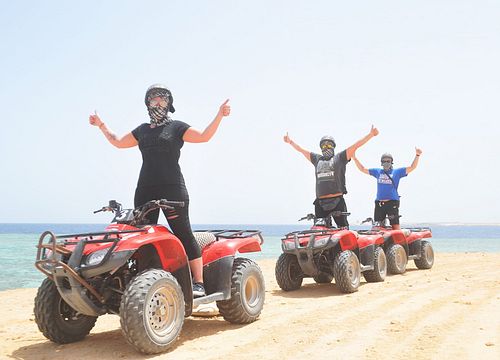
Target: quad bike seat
<point>204,238</point>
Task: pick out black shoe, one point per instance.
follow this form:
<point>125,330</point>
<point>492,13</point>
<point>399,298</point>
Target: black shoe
<point>198,290</point>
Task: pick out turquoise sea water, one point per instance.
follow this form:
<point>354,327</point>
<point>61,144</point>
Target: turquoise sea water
<point>18,243</point>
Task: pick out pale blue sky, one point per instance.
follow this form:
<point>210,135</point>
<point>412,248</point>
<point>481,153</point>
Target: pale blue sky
<point>425,73</point>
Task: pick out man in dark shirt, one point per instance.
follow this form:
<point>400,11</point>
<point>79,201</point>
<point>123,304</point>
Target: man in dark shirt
<point>330,174</point>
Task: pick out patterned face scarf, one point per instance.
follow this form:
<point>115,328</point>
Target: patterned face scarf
<point>328,150</point>
<point>159,114</point>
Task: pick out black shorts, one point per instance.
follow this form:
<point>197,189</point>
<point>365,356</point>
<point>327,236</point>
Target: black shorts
<point>324,207</point>
<point>389,208</point>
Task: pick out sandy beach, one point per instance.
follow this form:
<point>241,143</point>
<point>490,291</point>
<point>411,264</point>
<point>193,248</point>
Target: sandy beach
<point>451,311</point>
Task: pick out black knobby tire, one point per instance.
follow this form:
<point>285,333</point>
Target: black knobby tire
<point>426,256</point>
<point>56,320</point>
<point>323,278</point>
<point>288,273</point>
<point>247,293</point>
<point>152,311</point>
<point>396,259</point>
<point>379,267</point>
<point>347,271</point>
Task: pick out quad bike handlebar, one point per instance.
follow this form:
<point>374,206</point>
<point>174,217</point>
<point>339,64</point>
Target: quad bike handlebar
<point>379,223</point>
<point>138,215</point>
<point>333,213</point>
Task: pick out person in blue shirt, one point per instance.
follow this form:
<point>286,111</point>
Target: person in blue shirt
<point>387,201</point>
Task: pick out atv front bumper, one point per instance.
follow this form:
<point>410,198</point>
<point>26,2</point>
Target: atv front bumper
<point>71,278</point>
<point>305,253</point>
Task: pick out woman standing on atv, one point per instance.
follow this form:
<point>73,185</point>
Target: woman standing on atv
<point>160,142</point>
<point>330,175</point>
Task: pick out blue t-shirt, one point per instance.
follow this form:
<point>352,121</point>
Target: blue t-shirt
<point>386,190</point>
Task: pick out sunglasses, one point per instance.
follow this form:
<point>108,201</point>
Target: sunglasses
<point>327,146</point>
<point>386,162</point>
<point>156,102</point>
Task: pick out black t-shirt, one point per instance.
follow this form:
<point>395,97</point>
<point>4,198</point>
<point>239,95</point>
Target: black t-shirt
<point>160,148</point>
<point>330,174</point>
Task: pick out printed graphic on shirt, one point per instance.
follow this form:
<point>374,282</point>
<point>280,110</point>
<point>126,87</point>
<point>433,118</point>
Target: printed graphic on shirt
<point>325,170</point>
<point>384,179</point>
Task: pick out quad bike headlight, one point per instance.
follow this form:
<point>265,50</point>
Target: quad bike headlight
<point>321,242</point>
<point>96,257</point>
<point>288,245</point>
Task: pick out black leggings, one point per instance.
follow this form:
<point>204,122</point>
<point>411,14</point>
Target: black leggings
<point>178,219</point>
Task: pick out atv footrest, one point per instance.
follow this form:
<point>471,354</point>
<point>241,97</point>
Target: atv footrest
<point>208,299</point>
<point>413,257</point>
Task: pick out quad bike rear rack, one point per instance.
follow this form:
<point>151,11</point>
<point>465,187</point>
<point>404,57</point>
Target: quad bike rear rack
<point>46,264</point>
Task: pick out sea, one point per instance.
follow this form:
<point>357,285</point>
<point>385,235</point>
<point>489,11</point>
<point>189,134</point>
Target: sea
<point>18,244</point>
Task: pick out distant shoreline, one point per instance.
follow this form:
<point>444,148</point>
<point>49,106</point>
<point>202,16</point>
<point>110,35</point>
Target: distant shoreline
<point>448,223</point>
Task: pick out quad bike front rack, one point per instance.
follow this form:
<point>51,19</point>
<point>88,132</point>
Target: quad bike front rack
<point>47,262</point>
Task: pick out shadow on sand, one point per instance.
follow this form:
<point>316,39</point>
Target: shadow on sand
<point>112,345</point>
<point>312,291</point>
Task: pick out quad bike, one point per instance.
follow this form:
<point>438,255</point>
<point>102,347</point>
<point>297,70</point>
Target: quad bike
<point>325,252</point>
<point>403,245</point>
<point>141,273</point>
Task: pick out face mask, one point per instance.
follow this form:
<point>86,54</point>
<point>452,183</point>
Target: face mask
<point>387,165</point>
<point>158,114</point>
<point>327,153</point>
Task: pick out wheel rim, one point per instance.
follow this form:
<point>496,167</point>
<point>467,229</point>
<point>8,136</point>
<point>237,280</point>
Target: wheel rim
<point>400,258</point>
<point>252,291</point>
<point>429,254</point>
<point>353,270</point>
<point>162,312</point>
<point>382,264</point>
<point>67,313</point>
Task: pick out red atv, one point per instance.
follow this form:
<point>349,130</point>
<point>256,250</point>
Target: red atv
<point>325,252</point>
<point>403,245</point>
<point>141,273</point>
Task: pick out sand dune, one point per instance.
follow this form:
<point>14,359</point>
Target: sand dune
<point>450,311</point>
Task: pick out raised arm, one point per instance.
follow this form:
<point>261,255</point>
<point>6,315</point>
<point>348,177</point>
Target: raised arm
<point>126,141</point>
<point>297,147</point>
<point>359,165</point>
<point>352,149</point>
<point>414,164</point>
<point>193,135</point>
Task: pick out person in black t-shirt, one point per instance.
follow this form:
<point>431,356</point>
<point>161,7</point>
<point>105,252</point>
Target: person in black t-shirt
<point>330,175</point>
<point>160,142</point>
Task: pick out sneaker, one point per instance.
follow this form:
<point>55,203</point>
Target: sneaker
<point>198,290</point>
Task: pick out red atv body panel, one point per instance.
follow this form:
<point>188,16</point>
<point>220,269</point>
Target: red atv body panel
<point>169,248</point>
<point>367,240</point>
<point>229,247</point>
<point>348,239</point>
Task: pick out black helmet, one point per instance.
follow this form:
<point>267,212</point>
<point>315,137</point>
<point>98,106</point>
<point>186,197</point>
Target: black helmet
<point>327,138</point>
<point>386,156</point>
<point>159,90</point>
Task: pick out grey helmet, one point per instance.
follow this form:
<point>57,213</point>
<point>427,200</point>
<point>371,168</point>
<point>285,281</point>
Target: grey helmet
<point>327,138</point>
<point>159,89</point>
<point>386,156</point>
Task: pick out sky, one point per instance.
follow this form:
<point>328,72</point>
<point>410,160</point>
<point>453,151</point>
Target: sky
<point>426,73</point>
